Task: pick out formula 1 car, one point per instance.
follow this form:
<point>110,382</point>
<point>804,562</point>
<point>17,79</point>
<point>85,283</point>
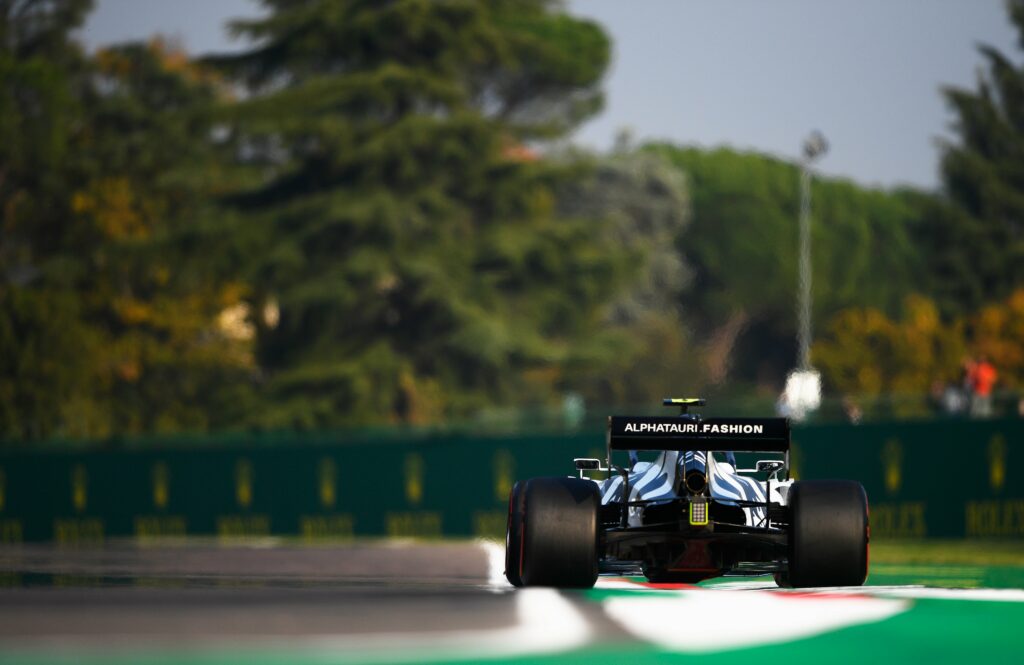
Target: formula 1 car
<point>691,513</point>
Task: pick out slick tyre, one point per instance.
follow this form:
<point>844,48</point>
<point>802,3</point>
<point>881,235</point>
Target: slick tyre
<point>514,535</point>
<point>559,533</point>
<point>828,540</point>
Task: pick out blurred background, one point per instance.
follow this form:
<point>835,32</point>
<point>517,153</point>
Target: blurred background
<point>235,216</point>
<point>289,222</point>
<point>239,216</point>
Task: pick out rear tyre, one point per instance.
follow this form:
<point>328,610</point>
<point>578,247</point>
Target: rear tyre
<point>559,533</point>
<point>828,540</point>
<point>514,535</point>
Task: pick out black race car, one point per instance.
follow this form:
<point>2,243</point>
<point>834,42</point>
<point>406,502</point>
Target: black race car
<point>690,513</point>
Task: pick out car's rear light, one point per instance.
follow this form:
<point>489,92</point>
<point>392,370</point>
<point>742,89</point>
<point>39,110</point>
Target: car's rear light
<point>698,512</point>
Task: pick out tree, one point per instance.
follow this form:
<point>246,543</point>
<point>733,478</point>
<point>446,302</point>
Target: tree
<point>976,245</point>
<point>863,352</point>
<point>996,332</point>
<point>44,346</point>
<point>110,292</point>
<point>399,221</point>
<point>154,277</point>
<point>741,246</point>
<point>643,203</point>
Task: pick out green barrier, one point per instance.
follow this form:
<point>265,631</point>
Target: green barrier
<point>942,479</point>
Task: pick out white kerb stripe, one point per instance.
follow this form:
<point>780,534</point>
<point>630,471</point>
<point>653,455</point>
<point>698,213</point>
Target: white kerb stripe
<point>496,580</point>
<point>704,621</point>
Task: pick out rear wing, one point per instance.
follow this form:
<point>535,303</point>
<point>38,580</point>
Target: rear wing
<point>769,435</point>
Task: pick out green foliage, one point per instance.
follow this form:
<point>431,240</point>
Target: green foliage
<point>976,244</point>
<point>742,246</point>
<point>972,245</point>
<point>44,369</point>
<point>374,232</point>
<point>43,345</point>
<point>108,312</point>
<point>39,68</point>
<point>153,282</point>
<point>408,239</point>
<point>643,204</point>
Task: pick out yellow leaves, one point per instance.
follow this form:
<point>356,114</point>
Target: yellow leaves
<point>864,352</point>
<point>114,209</point>
<point>991,318</point>
<point>232,293</point>
<point>161,275</point>
<point>999,334</point>
<point>173,58</point>
<point>167,54</point>
<point>870,380</point>
<point>542,379</point>
<point>1016,302</point>
<point>171,55</point>
<point>132,312</point>
<point>423,398</point>
<point>921,314</point>
<point>113,63</point>
<point>128,370</point>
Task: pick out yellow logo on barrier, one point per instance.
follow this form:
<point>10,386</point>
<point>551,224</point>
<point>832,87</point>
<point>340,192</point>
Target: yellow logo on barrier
<point>243,483</point>
<point>79,488</point>
<point>892,459</point>
<point>327,475</point>
<point>161,485</point>
<point>504,472</point>
<point>997,462</point>
<point>413,478</point>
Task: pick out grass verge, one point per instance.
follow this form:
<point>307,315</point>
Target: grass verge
<point>959,552</point>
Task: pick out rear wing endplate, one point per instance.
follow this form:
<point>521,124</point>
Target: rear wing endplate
<point>769,435</point>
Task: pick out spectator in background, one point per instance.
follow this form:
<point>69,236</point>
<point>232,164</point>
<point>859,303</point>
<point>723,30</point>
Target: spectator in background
<point>950,398</point>
<point>981,379</point>
<point>968,367</point>
<point>852,410</point>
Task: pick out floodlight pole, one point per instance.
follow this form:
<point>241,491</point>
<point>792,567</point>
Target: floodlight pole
<point>814,147</point>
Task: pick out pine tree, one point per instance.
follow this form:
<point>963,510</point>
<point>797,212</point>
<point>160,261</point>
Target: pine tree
<point>402,230</point>
<point>977,244</point>
<point>44,346</point>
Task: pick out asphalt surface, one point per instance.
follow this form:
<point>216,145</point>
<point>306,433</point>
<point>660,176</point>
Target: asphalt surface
<point>370,602</point>
<point>122,592</point>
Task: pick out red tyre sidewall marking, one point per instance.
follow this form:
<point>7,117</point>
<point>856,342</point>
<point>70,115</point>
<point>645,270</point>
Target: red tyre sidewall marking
<point>522,534</point>
<point>522,544</point>
<point>510,523</point>
<point>867,540</point>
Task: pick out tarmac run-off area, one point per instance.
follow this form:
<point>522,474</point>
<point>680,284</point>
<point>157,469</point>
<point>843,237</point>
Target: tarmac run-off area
<point>389,601</point>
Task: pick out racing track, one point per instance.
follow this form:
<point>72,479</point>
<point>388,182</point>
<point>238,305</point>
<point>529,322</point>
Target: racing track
<point>403,602</point>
